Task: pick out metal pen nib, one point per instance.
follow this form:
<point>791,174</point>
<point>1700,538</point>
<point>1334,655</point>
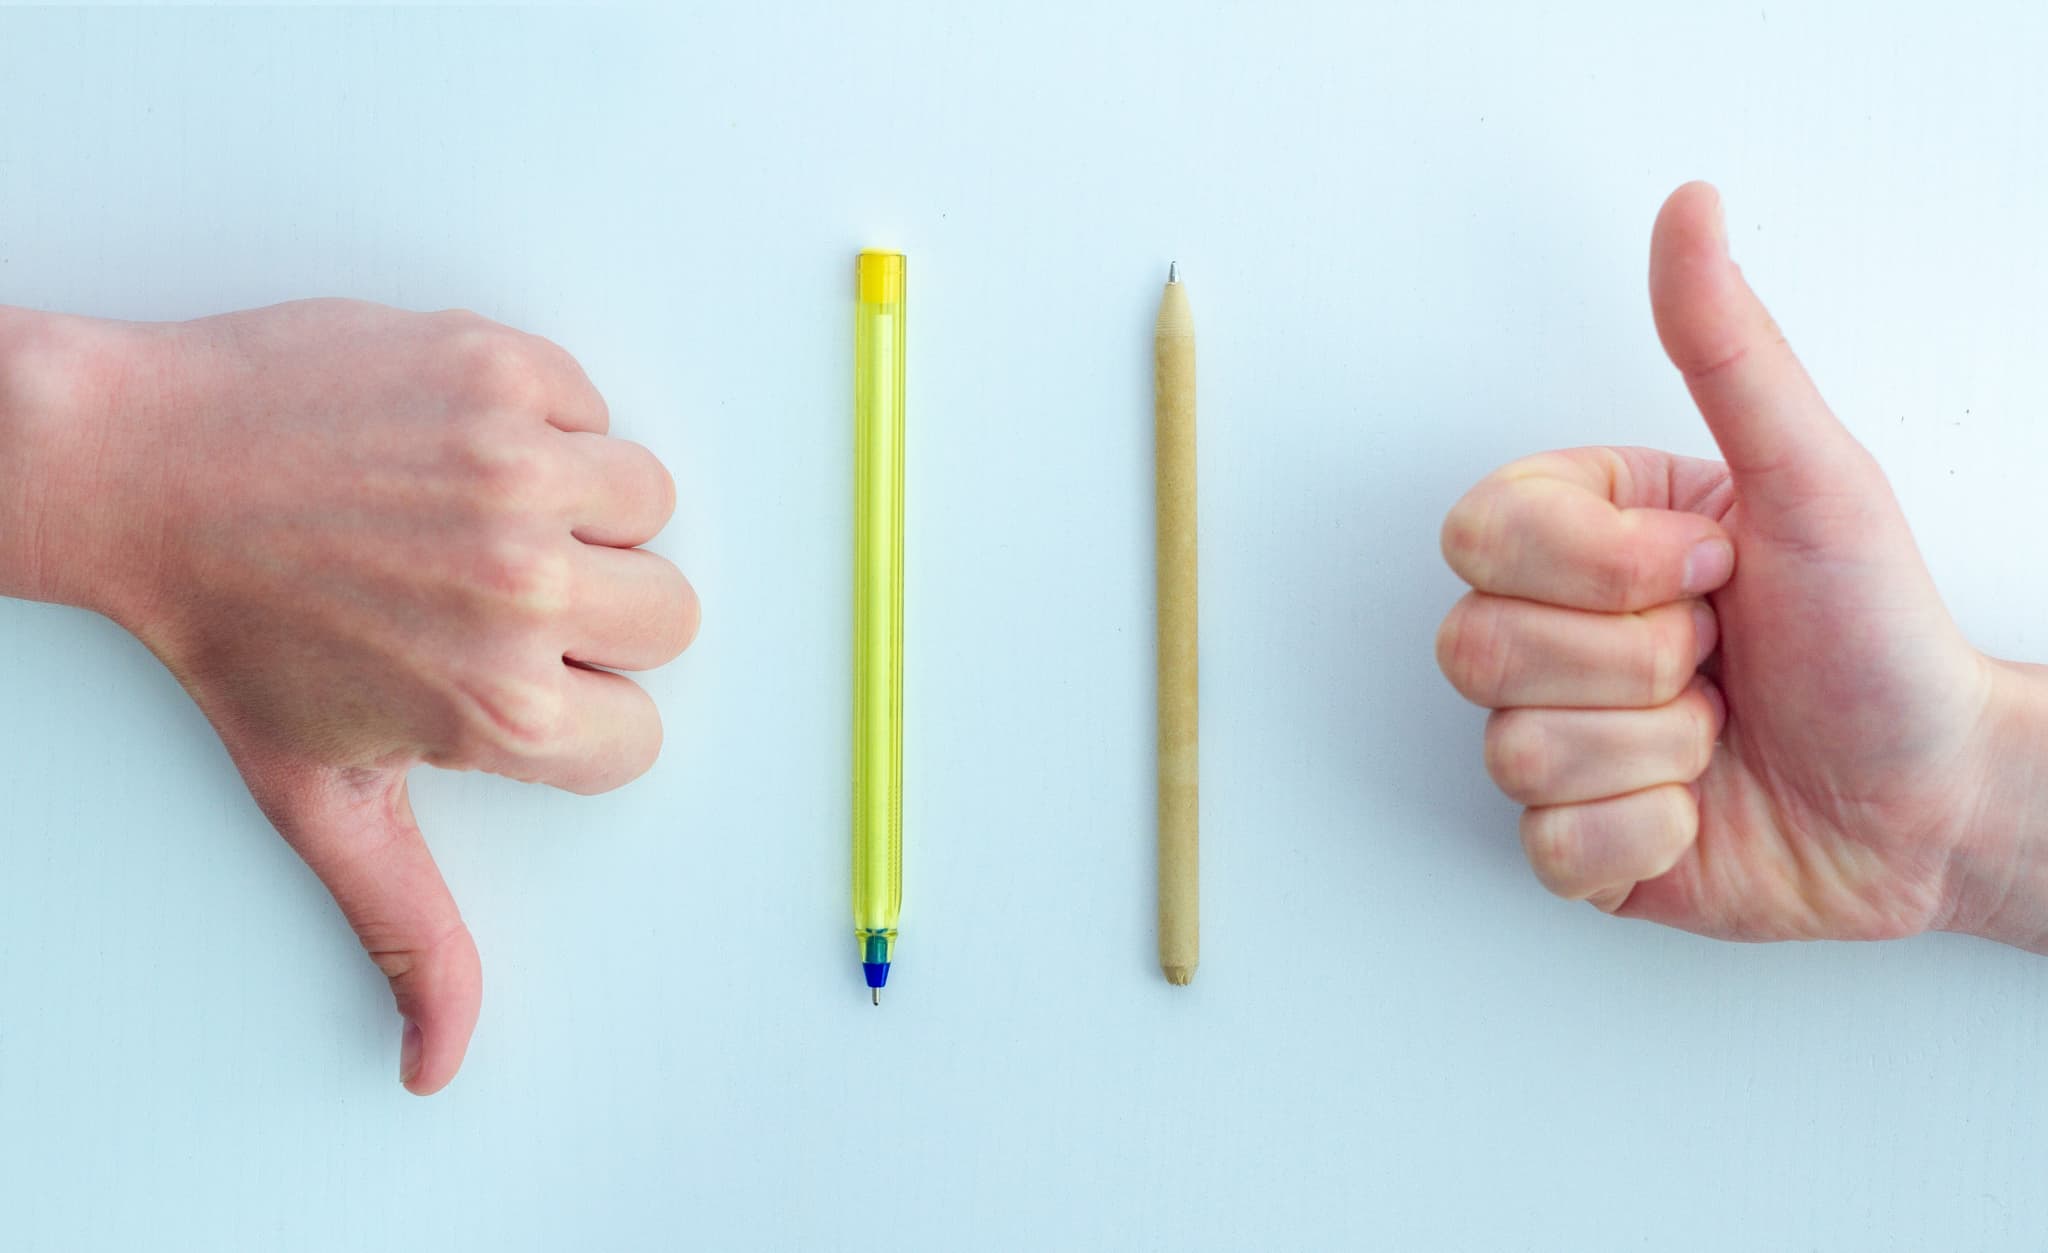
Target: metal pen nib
<point>875,995</point>
<point>1173,271</point>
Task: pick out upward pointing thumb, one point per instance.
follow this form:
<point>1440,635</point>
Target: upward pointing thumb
<point>1785,447</point>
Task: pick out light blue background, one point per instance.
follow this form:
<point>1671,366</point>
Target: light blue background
<point>1414,236</point>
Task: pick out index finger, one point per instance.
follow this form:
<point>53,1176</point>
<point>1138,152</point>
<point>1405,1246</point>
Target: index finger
<point>624,494</point>
<point>574,403</point>
<point>1604,529</point>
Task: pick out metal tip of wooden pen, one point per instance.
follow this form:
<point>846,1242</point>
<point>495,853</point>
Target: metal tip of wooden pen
<point>1173,271</point>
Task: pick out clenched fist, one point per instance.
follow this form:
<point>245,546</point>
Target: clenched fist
<point>1728,693</point>
<point>362,539</point>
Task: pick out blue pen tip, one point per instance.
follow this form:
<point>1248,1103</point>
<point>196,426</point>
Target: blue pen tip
<point>877,973</point>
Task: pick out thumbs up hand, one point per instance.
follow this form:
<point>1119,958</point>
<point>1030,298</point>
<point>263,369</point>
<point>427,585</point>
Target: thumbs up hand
<point>362,539</point>
<point>1728,693</point>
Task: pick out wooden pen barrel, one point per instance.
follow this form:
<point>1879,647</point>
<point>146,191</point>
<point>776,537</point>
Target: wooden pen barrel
<point>1173,349</point>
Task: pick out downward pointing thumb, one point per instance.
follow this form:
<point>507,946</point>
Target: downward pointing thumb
<point>355,829</point>
<point>1784,446</point>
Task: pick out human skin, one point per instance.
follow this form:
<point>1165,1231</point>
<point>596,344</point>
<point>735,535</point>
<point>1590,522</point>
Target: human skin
<point>362,539</point>
<point>1727,692</point>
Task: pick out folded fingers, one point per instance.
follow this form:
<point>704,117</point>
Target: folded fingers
<point>1501,653</point>
<point>1571,756</point>
<point>1600,850</point>
<point>567,725</point>
<point>634,610</point>
<point>1550,529</point>
<point>621,495</point>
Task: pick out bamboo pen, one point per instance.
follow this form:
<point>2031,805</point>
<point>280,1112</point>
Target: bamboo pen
<point>1173,358</point>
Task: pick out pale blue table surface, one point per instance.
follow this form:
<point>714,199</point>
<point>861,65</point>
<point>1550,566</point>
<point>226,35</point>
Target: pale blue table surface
<point>1414,235</point>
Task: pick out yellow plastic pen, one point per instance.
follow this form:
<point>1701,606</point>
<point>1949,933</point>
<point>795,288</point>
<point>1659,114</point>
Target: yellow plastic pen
<point>878,612</point>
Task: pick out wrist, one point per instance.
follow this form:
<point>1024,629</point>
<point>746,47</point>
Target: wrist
<point>1999,873</point>
<point>73,495</point>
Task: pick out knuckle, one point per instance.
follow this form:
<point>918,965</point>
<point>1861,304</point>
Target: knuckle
<point>511,716</point>
<point>680,624</point>
<point>646,750</point>
<point>1702,739</point>
<point>1664,831</point>
<point>1549,841</point>
<point>549,358</point>
<point>396,963</point>
<point>1610,899</point>
<point>1448,645</point>
<point>1466,538</point>
<point>664,488</point>
<point>667,631</point>
<point>496,367</point>
<point>1518,754</point>
<point>633,757</point>
<point>508,473</point>
<point>1451,646</point>
<point>1471,652</point>
<point>532,578</point>
<point>1679,816</point>
<point>640,475</point>
<point>406,950</point>
<point>1629,571</point>
<point>1667,656</point>
<point>693,621</point>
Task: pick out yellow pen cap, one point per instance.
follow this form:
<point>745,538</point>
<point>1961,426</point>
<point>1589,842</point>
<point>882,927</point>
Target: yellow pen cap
<point>881,277</point>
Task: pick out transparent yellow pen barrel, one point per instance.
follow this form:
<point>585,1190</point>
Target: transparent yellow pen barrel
<point>878,608</point>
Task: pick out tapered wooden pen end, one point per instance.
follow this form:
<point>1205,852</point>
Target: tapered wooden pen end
<point>1179,976</point>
